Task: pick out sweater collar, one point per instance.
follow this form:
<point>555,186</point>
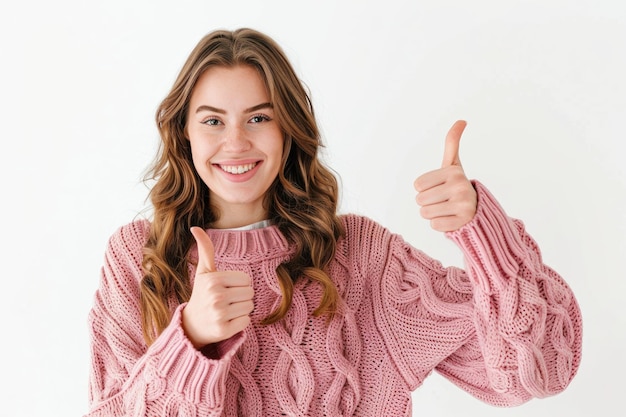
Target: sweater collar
<point>247,245</point>
<point>257,225</point>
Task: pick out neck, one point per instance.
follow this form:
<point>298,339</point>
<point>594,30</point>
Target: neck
<point>235,216</point>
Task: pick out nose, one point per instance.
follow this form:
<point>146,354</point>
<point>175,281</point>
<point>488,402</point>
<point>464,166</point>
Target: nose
<point>236,140</point>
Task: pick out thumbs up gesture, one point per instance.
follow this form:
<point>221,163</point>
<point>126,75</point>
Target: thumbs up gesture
<point>446,197</point>
<point>220,301</point>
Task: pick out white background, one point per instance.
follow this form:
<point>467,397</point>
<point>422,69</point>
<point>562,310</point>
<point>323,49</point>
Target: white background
<point>541,84</point>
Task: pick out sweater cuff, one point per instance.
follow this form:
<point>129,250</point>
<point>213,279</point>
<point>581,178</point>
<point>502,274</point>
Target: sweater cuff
<point>224,348</point>
<point>186,369</point>
<point>491,243</point>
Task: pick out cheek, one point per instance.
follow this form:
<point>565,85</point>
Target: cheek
<point>278,157</point>
<point>201,153</point>
<point>195,158</point>
<point>278,144</point>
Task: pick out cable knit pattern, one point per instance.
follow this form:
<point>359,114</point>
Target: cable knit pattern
<point>505,329</point>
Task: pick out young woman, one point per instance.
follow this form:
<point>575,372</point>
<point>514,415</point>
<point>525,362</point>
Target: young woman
<point>247,294</point>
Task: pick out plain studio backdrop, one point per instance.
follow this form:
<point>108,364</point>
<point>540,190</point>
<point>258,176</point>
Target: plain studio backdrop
<point>541,84</point>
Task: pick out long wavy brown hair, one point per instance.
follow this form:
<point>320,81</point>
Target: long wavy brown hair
<point>302,201</point>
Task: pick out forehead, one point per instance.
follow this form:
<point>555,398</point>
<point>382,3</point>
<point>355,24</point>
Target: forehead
<point>230,87</point>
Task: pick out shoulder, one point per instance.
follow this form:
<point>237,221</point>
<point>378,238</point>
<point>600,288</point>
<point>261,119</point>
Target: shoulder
<point>127,242</point>
<point>360,228</point>
<point>132,234</point>
<point>364,241</point>
<point>373,245</point>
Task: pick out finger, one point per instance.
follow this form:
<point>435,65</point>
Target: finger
<point>432,211</point>
<point>432,196</point>
<point>429,180</point>
<point>451,150</point>
<point>240,294</point>
<point>232,279</point>
<point>236,310</point>
<point>447,223</point>
<point>206,252</point>
<point>236,325</point>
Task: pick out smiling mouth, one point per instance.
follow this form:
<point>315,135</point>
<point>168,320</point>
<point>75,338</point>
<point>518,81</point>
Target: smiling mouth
<point>237,169</point>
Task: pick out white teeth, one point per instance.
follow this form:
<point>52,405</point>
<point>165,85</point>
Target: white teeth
<point>238,169</point>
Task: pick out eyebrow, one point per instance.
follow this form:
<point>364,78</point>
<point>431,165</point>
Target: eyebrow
<point>222,111</point>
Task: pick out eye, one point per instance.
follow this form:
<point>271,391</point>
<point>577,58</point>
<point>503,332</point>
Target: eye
<point>259,118</point>
<point>211,121</point>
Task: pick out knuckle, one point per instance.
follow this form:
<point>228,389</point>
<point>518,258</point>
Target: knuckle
<point>459,187</point>
<point>219,316</point>
<point>218,298</point>
<point>466,192</point>
<point>216,309</point>
<point>469,208</point>
<point>213,284</point>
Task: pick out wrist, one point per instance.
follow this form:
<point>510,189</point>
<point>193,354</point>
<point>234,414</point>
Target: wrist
<point>189,329</point>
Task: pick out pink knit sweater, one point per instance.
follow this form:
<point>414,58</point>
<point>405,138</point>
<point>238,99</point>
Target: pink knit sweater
<point>506,329</point>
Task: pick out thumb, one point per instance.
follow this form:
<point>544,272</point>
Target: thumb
<point>206,252</point>
<point>451,150</point>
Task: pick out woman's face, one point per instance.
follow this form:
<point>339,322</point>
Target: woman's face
<point>236,144</point>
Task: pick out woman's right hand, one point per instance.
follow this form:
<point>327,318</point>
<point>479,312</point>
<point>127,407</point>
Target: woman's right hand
<point>221,301</point>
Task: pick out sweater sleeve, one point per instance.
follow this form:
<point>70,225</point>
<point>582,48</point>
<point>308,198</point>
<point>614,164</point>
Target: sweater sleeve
<point>170,377</point>
<point>505,329</point>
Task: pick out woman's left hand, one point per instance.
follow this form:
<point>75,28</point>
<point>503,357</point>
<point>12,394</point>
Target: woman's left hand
<point>447,198</point>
